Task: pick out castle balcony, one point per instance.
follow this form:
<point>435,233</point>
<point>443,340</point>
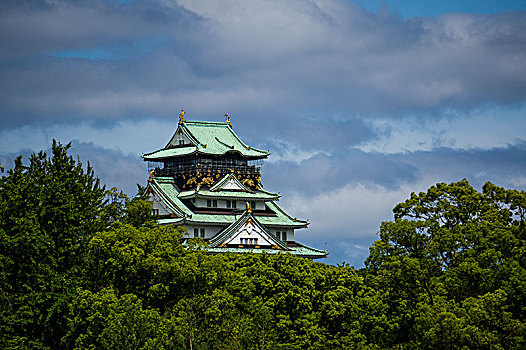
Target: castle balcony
<point>189,176</point>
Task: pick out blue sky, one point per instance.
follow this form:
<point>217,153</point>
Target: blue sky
<point>360,102</point>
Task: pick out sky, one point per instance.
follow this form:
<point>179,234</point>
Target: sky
<point>359,102</point>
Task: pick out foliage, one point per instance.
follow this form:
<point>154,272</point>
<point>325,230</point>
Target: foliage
<point>48,211</point>
<point>453,264</point>
<point>82,267</point>
<point>228,301</point>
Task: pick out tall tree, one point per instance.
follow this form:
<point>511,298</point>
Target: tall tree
<point>49,209</point>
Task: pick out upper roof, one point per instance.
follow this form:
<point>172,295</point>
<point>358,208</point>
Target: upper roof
<point>204,137</point>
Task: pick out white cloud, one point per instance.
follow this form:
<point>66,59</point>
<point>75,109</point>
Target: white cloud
<point>291,152</point>
<point>354,211</point>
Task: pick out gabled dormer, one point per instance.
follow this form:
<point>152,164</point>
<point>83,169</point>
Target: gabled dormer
<point>230,182</point>
<point>179,139</point>
<point>247,232</point>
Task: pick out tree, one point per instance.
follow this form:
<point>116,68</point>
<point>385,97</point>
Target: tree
<point>49,210</point>
<point>104,320</point>
<point>449,245</point>
<point>119,208</point>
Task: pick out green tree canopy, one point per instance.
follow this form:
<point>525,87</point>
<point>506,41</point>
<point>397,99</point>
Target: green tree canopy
<point>49,210</point>
<point>447,250</point>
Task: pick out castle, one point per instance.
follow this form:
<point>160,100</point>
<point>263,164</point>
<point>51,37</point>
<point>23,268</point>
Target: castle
<point>208,180</point>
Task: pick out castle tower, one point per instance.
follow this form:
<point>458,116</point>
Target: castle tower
<point>208,180</point>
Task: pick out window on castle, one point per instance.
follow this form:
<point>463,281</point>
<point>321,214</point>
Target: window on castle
<point>181,142</point>
<point>202,233</point>
<point>155,212</point>
<point>253,204</point>
<point>234,204</point>
<point>231,204</point>
<point>278,235</point>
<point>249,241</point>
<point>283,236</point>
<point>214,203</point>
<point>196,232</point>
<point>208,203</point>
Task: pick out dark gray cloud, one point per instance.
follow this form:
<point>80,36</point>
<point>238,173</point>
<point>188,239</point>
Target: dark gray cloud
<point>323,173</point>
<point>505,166</point>
<point>72,60</point>
<point>114,168</point>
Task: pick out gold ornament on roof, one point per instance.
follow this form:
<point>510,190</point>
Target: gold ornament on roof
<point>248,207</point>
<point>227,118</point>
<point>152,175</point>
<point>181,116</point>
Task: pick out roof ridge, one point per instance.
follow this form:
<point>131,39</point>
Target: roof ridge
<point>205,122</point>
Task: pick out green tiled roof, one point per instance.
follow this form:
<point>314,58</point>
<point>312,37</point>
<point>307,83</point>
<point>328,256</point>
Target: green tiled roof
<point>168,192</point>
<point>254,196</point>
<point>282,214</point>
<point>279,221</point>
<point>212,138</point>
<point>165,187</point>
<point>169,153</point>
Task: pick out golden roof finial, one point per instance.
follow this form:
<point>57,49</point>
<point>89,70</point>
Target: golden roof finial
<point>152,175</point>
<point>248,207</point>
<point>227,118</point>
<point>181,116</point>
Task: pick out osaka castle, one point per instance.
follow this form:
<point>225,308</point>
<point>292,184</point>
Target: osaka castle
<point>209,181</point>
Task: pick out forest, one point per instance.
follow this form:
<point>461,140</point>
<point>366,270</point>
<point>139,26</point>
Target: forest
<point>85,267</point>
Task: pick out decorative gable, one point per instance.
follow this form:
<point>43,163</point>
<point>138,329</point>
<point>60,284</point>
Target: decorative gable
<point>158,205</point>
<point>179,139</point>
<point>247,231</point>
<point>231,183</point>
<point>249,234</point>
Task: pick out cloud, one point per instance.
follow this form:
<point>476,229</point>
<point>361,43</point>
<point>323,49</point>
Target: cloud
<point>278,58</point>
<point>324,173</point>
<point>112,167</point>
<point>487,127</point>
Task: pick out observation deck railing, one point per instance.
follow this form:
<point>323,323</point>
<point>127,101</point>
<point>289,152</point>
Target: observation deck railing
<point>207,168</point>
